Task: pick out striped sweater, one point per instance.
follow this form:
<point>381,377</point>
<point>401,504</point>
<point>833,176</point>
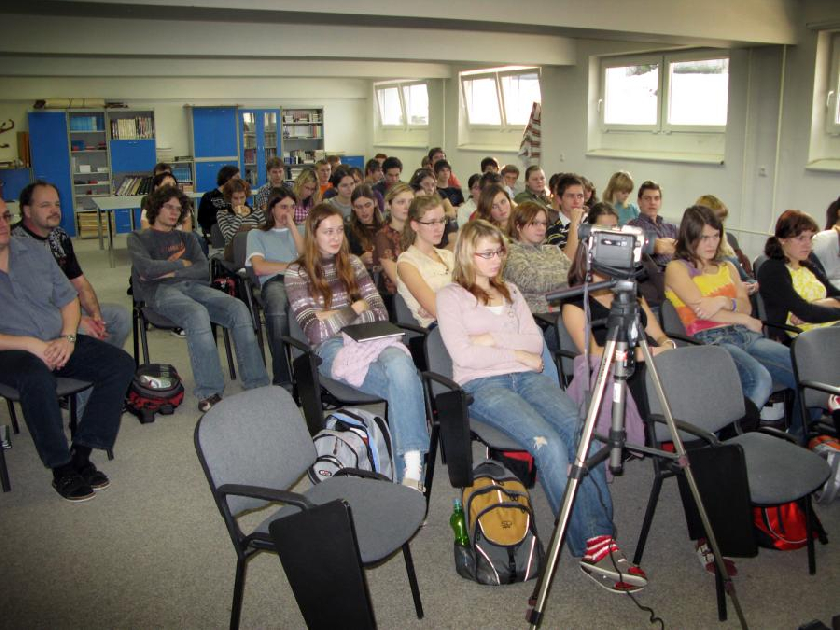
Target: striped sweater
<point>304,307</point>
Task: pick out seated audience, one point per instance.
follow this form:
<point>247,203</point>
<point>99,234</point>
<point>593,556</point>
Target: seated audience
<point>590,194</point>
<point>328,289</point>
<point>364,222</point>
<point>650,201</point>
<point>343,184</point>
<point>275,178</point>
<point>159,181</point>
<point>510,177</point>
<point>496,348</point>
<point>713,305</point>
<point>489,164</point>
<point>214,200</point>
<point>568,202</point>
<point>532,265</point>
<point>422,268</point>
<point>436,154</point>
<point>424,184</point>
<point>239,216</point>
<point>323,169</point>
<point>827,244</point>
<point>729,244</point>
<point>466,210</point>
<point>270,250</point>
<point>494,206</point>
<point>392,171</point>
<point>388,242</point>
<point>534,188</point>
<point>373,172</point>
<point>40,341</point>
<point>171,274</point>
<point>307,192</point>
<point>794,290</point>
<point>453,194</point>
<point>617,194</point>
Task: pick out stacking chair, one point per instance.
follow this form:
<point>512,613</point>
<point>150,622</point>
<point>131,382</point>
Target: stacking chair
<point>66,389</point>
<point>816,364</point>
<point>415,335</point>
<point>143,316</point>
<point>254,447</point>
<point>449,407</point>
<point>564,357</point>
<point>778,471</point>
<point>249,287</point>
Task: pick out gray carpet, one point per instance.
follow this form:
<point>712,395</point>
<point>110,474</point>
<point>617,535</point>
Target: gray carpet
<point>152,551</point>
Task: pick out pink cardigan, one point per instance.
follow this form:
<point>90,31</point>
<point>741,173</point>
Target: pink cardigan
<point>460,316</point>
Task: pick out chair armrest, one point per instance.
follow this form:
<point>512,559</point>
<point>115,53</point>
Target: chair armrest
<point>358,472</point>
<point>821,387</point>
<point>299,345</point>
<point>446,382</point>
<point>546,320</point>
<point>777,433</point>
<point>415,328</point>
<point>682,425</point>
<point>786,327</point>
<point>266,494</point>
<point>684,338</point>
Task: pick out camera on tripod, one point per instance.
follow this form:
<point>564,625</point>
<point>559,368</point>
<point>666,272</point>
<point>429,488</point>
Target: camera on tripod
<point>616,248</point>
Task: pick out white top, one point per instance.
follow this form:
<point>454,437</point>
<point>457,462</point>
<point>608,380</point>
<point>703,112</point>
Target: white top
<point>465,210</point>
<point>826,245</point>
<point>435,274</point>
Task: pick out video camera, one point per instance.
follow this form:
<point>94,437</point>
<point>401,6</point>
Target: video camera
<point>616,248</point>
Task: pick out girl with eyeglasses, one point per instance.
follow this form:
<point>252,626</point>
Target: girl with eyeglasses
<point>496,348</point>
<point>363,224</point>
<point>328,289</point>
<point>423,268</point>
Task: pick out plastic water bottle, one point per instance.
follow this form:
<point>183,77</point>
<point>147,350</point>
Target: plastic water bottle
<point>458,522</point>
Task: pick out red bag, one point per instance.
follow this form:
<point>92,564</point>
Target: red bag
<point>784,526</point>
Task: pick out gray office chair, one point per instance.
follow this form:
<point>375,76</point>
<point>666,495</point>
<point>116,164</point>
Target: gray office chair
<point>415,334</point>
<point>249,287</point>
<point>778,470</point>
<point>254,447</point>
<point>816,365</point>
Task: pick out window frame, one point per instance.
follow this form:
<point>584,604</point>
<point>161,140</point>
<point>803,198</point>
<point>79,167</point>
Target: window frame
<point>496,76</point>
<point>663,61</point>
<point>832,99</point>
<point>399,85</point>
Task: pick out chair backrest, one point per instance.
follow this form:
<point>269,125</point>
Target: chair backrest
<point>759,260</point>
<point>670,321</point>
<point>217,240</point>
<point>566,343</point>
<point>402,312</point>
<point>816,357</point>
<point>296,332</point>
<point>437,356</point>
<point>702,387</point>
<point>240,249</point>
<point>256,438</point>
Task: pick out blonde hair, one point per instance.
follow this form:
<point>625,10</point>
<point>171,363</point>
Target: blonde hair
<point>416,211</point>
<point>464,271</point>
<point>307,176</point>
<point>621,181</point>
<point>398,189</point>
<point>722,213</point>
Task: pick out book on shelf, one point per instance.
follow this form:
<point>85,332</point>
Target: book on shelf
<point>84,123</point>
<point>133,185</point>
<point>138,128</point>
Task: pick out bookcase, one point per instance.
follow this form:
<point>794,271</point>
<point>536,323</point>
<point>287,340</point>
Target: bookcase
<point>183,168</point>
<point>89,164</point>
<point>302,139</point>
<point>215,143</point>
<point>49,149</point>
<point>259,143</point>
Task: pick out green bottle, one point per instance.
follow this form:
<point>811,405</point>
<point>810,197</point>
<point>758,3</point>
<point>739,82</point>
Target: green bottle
<point>458,522</point>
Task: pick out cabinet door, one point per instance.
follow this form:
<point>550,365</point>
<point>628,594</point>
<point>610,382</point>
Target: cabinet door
<point>50,153</point>
<point>205,173</point>
<point>215,132</point>
<point>249,134</point>
<point>130,156</point>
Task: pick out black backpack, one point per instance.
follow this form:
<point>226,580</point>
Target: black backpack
<point>155,388</point>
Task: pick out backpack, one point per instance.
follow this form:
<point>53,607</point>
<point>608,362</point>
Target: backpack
<point>828,447</point>
<point>353,438</point>
<point>155,388</point>
<point>784,526</point>
<point>504,545</point>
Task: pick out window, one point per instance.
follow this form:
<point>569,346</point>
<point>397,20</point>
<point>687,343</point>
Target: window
<point>832,101</point>
<point>502,98</point>
<point>685,92</point>
<point>403,104</point>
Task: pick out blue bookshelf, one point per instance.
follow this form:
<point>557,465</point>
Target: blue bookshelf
<point>215,143</point>
<point>49,149</point>
<point>259,142</point>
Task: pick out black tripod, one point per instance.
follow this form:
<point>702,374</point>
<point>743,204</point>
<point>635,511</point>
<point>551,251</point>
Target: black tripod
<point>624,334</point>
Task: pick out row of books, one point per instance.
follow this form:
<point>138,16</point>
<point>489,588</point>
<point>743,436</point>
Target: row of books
<point>302,157</point>
<point>86,123</point>
<point>301,116</point>
<point>303,131</point>
<point>140,128</point>
<point>135,185</point>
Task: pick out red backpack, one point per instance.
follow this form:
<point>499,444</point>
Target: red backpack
<point>784,526</point>
<point>155,388</point>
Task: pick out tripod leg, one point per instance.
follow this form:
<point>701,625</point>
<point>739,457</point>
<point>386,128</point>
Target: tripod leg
<point>648,520</point>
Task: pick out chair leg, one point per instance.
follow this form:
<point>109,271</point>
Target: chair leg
<point>648,520</point>
<point>430,462</point>
<point>4,472</point>
<point>720,595</point>
<point>229,354</point>
<point>135,335</point>
<point>412,581</point>
<point>13,416</point>
<point>809,531</point>
<point>144,340</point>
<point>238,589</point>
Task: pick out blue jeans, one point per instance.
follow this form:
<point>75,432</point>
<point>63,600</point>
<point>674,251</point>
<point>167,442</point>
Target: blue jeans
<point>109,369</point>
<point>760,361</point>
<point>393,377</point>
<point>277,321</point>
<point>192,306</point>
<point>532,410</point>
<point>117,323</point>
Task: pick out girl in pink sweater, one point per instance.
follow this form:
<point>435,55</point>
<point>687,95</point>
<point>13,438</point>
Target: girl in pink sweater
<point>496,349</point>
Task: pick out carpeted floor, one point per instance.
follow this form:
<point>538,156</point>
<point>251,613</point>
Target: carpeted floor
<point>152,550</point>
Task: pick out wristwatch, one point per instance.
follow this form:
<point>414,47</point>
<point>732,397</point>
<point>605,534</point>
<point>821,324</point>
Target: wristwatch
<point>70,338</point>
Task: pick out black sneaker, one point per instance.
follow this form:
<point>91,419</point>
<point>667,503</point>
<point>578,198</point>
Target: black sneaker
<point>205,405</point>
<point>94,477</point>
<point>73,488</point>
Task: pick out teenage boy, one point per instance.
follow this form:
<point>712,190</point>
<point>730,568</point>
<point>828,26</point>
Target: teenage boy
<point>373,172</point>
<point>442,174</point>
<point>489,164</point>
<point>214,200</point>
<point>39,341</point>
<point>324,171</point>
<point>650,201</point>
<point>436,154</point>
<point>172,275</point>
<point>276,177</point>
<point>568,203</point>
<point>510,173</point>
<point>392,168</point>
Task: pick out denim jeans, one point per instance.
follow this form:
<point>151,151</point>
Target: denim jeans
<point>277,321</point>
<point>117,323</point>
<point>192,306</point>
<point>110,370</point>
<point>760,361</point>
<point>532,410</point>
<point>394,377</point>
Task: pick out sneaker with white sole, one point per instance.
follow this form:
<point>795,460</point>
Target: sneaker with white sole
<point>605,563</point>
<point>707,558</point>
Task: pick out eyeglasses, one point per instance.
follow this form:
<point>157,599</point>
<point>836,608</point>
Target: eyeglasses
<point>170,206</point>
<point>494,252</point>
<point>332,231</point>
<point>437,222</point>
